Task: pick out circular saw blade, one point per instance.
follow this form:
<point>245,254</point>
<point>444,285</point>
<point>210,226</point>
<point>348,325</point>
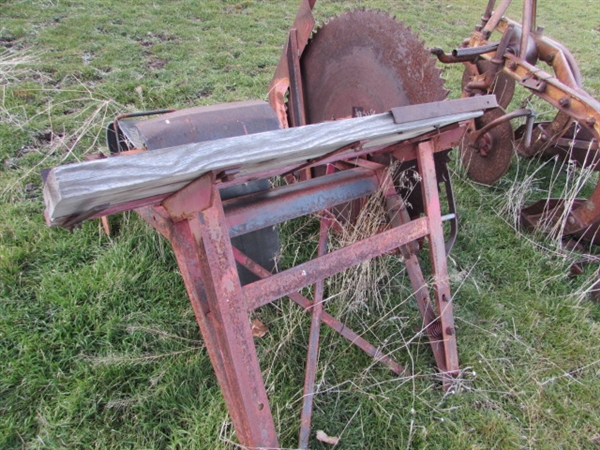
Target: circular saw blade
<point>365,62</point>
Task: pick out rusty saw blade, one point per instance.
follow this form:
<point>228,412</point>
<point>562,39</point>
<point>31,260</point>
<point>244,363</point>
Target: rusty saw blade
<point>365,62</point>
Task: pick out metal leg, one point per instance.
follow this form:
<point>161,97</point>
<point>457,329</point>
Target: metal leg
<point>229,315</point>
<point>437,251</point>
<point>313,345</point>
<point>205,257</point>
<point>184,246</point>
<point>398,215</point>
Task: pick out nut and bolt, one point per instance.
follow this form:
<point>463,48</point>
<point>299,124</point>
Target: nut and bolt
<point>511,65</point>
<point>564,102</point>
<point>590,121</point>
<point>450,331</point>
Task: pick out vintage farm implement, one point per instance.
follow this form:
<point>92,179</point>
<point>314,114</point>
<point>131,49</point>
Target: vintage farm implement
<point>349,113</point>
<point>497,66</point>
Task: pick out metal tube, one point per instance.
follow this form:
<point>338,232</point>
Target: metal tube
<point>498,58</point>
<point>526,20</point>
<point>488,12</point>
<point>313,340</point>
<point>506,117</point>
<point>262,209</point>
<point>474,51</point>
<point>135,114</point>
<point>496,17</point>
<point>528,130</point>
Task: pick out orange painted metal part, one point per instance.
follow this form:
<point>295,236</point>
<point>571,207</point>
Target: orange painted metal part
<point>562,89</point>
<point>287,71</point>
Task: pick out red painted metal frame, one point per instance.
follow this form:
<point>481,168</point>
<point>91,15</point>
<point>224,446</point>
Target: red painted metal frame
<point>199,228</point>
<point>312,358</point>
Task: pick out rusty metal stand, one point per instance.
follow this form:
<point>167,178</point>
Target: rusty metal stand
<point>200,226</point>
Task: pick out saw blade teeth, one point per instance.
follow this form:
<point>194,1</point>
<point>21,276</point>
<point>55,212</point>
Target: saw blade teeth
<point>349,54</point>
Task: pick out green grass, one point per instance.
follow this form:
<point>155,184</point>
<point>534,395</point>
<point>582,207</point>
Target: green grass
<point>98,342</point>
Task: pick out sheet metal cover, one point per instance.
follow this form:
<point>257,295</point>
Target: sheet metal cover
<point>368,60</point>
<point>202,123</point>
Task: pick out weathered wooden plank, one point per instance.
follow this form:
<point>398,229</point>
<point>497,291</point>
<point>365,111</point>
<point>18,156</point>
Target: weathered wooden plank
<point>77,188</point>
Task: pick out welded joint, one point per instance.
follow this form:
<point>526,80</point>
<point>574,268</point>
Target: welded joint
<point>192,199</point>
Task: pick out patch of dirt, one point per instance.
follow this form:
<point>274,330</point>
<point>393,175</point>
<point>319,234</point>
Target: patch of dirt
<point>46,138</point>
<point>7,41</point>
<point>32,191</point>
<point>156,38</point>
<point>156,63</point>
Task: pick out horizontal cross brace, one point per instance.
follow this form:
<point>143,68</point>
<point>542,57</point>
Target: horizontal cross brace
<point>266,208</point>
<point>284,283</point>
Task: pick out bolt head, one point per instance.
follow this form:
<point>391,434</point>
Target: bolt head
<point>564,102</point>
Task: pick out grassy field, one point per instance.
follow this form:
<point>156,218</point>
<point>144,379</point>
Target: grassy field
<point>98,343</point>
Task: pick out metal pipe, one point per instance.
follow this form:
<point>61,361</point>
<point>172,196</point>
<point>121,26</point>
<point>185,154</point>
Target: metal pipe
<point>313,340</point>
<point>496,17</point>
<point>528,131</point>
<point>505,118</point>
<point>498,58</point>
<point>488,12</point>
<point>135,114</point>
<point>474,51</point>
<point>526,20</point>
<point>263,209</point>
<point>449,58</point>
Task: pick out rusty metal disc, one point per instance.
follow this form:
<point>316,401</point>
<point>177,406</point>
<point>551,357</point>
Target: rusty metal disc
<point>368,62</point>
<point>545,135</point>
<point>503,86</point>
<point>489,158</point>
